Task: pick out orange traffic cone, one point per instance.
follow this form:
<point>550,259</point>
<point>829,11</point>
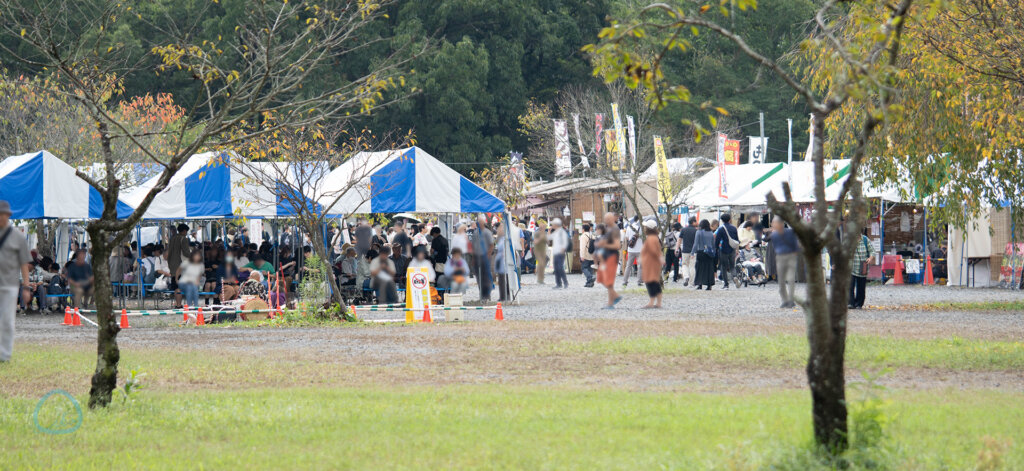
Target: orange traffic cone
<point>929,279</point>
<point>199,317</point>
<point>77,319</point>
<point>124,319</point>
<point>498,315</point>
<point>352,308</point>
<point>897,275</point>
<point>67,316</point>
<point>426,314</point>
<point>184,315</point>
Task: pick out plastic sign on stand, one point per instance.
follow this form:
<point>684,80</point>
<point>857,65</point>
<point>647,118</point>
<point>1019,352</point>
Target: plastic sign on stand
<point>417,292</point>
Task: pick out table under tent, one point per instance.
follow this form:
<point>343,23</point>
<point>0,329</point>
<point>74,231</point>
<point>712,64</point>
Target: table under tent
<point>213,187</point>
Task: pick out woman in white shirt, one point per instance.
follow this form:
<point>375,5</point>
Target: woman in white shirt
<point>460,240</point>
<point>190,275</point>
<point>421,261</point>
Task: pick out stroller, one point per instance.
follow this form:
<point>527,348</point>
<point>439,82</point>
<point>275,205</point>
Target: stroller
<point>750,268</point>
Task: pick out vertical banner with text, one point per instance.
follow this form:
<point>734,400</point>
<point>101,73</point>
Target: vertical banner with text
<point>664,180</point>
<point>620,137</point>
<point>723,191</point>
<point>632,141</point>
<point>563,160</point>
<point>579,140</point>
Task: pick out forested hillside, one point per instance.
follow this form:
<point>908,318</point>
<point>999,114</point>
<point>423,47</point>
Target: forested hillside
<point>490,57</point>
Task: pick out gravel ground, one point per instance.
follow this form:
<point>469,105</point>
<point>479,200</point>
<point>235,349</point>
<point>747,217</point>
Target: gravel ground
<point>518,351</point>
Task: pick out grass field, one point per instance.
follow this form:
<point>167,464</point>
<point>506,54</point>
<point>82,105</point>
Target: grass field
<point>791,350</point>
<point>491,427</point>
<point>539,395</point>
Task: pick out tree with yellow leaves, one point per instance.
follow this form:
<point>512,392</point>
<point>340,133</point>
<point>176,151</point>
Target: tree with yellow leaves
<point>277,47</point>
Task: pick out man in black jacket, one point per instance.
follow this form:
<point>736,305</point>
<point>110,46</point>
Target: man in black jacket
<point>685,244</point>
<point>438,249</point>
<point>726,253</point>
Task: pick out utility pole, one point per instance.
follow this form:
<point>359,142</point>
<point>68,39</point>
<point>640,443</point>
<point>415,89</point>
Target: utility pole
<point>764,147</point>
<point>789,150</point>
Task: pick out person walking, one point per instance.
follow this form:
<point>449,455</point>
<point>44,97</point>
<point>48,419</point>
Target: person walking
<point>704,252</point>
<point>634,244</point>
<point>863,256</point>
<point>587,249</point>
<point>559,246</point>
<point>540,249</point>
<point>609,245</point>
<point>726,241</point>
<point>672,252</point>
<point>787,249</point>
<point>651,260</point>
<point>178,251</point>
<point>483,247</point>
<point>686,259</point>
<point>14,262</point>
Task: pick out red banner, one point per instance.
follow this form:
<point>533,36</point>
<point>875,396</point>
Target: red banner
<point>732,152</point>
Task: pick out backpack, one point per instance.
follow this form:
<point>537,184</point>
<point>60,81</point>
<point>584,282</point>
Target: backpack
<point>633,238</point>
<point>590,245</point>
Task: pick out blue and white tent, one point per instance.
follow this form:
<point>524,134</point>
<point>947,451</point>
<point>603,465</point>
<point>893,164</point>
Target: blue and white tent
<point>402,180</point>
<point>40,186</point>
<point>216,185</point>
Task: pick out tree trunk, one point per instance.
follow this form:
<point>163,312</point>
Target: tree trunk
<point>104,380</point>
<point>317,240</point>
<point>44,246</point>
<point>826,334</point>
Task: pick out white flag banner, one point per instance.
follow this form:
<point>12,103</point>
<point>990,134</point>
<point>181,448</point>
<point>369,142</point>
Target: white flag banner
<point>756,150</point>
<point>723,190</point>
<point>620,137</point>
<point>632,139</point>
<point>810,141</point>
<point>579,140</point>
<point>563,162</point>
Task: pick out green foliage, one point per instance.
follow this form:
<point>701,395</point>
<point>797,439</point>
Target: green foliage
<point>313,287</point>
<point>132,385</point>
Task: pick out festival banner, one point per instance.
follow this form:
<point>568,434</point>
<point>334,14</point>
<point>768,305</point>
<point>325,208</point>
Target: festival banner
<point>563,160</point>
<point>757,149</point>
<point>723,191</point>
<point>664,180</point>
<point>611,143</point>
<point>579,140</point>
<point>632,140</point>
<point>598,134</point>
<point>620,138</point>
<point>732,152</point>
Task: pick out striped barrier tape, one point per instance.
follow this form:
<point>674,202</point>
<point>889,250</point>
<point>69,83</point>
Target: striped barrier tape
<point>434,308</point>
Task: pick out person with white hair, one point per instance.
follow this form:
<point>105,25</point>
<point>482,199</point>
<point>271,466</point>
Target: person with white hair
<point>559,246</point>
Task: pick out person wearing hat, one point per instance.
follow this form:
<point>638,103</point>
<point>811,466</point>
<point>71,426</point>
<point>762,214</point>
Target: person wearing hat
<point>14,263</point>
<point>559,246</point>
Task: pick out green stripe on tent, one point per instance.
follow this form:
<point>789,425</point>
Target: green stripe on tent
<point>767,175</point>
<point>836,176</point>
